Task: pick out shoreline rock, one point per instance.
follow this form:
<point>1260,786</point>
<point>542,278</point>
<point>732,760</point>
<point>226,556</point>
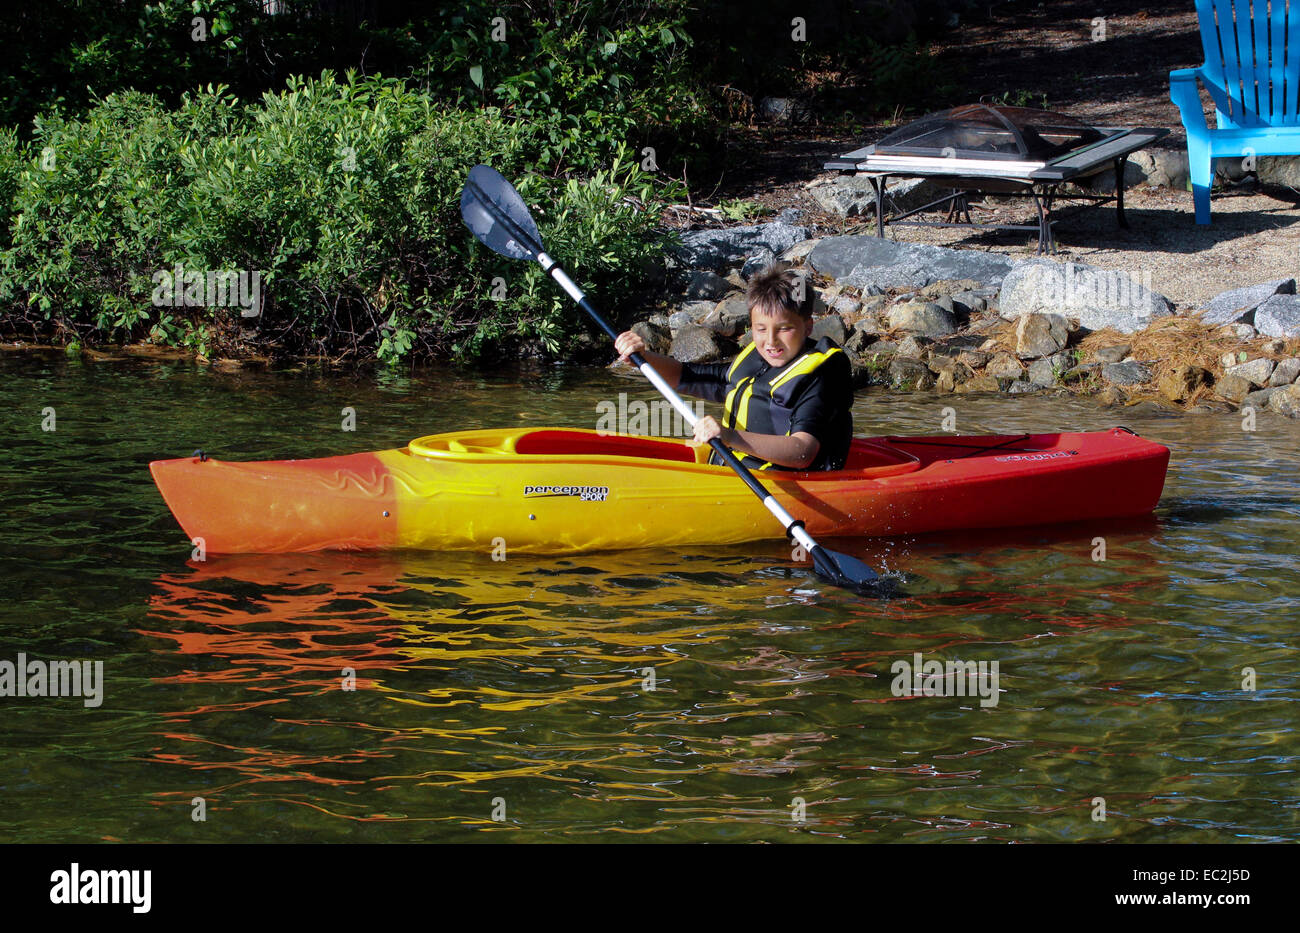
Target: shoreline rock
<point>913,317</point>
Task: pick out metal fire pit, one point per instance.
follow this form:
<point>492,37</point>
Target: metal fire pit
<point>1011,151</point>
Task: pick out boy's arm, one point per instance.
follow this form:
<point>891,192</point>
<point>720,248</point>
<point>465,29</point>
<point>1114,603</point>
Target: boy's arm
<point>629,342</point>
<point>669,368</point>
<point>823,410</point>
<point>702,380</point>
<point>796,450</point>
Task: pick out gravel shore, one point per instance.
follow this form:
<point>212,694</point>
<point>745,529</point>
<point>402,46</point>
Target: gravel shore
<point>1255,237</point>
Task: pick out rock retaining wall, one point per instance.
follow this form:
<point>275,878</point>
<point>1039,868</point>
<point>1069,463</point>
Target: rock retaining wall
<point>927,318</point>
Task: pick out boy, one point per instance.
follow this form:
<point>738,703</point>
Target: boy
<point>787,400</point>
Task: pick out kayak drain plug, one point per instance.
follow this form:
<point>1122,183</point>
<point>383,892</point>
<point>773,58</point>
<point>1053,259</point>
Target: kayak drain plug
<point>532,517</point>
<point>385,513</point>
<point>201,454</point>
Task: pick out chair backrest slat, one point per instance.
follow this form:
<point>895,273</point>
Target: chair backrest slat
<point>1291,59</point>
<point>1283,86</point>
<point>1242,91</point>
<point>1259,92</point>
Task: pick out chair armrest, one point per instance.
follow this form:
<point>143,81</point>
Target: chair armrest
<point>1183,92</point>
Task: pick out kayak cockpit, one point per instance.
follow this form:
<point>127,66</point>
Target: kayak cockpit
<point>554,442</point>
<point>869,458</point>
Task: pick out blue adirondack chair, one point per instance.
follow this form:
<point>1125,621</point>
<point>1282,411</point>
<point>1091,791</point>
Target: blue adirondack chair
<point>1252,71</point>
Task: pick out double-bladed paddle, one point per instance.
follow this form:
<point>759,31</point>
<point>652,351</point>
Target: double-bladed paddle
<point>498,217</point>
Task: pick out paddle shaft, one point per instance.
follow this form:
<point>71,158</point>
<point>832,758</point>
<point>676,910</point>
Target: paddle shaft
<point>792,528</point>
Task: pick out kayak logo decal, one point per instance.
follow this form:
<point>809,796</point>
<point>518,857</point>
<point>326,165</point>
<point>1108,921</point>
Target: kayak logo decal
<point>1013,458</point>
<point>585,493</point>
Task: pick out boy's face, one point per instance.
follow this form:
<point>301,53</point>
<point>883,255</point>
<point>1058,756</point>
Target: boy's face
<point>779,334</point>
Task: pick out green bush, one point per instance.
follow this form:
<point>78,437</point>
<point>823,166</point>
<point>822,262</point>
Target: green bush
<point>92,207</point>
<point>343,196</point>
<point>11,164</point>
<point>70,53</point>
<point>593,77</point>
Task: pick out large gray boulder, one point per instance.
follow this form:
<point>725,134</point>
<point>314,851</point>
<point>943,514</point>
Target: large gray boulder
<point>1285,373</point>
<point>832,326</point>
<point>1239,304</point>
<point>1286,401</point>
<point>873,280</point>
<point>695,344</point>
<point>923,317</point>
<point>721,249</point>
<point>1040,335</point>
<point>1279,170</point>
<point>707,286</point>
<point>1094,298</point>
<point>864,261</point>
<point>1256,372</point>
<point>1279,316</point>
<point>1125,374</point>
<point>910,374</point>
<point>853,196</point>
<point>729,318</point>
<point>1167,168</point>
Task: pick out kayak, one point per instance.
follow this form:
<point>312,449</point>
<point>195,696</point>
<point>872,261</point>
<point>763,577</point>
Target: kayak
<point>555,490</point>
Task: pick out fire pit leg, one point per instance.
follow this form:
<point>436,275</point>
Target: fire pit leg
<point>1043,204</point>
<point>878,186</point>
<point>959,208</point>
<point>1120,164</point>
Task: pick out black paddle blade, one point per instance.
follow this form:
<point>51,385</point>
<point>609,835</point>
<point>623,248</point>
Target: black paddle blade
<point>843,570</point>
<point>497,215</point>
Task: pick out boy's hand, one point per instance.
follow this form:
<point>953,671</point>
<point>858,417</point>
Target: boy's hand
<point>627,343</point>
<point>707,428</point>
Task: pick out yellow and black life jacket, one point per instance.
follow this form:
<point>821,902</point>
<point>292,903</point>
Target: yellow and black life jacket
<point>764,400</point>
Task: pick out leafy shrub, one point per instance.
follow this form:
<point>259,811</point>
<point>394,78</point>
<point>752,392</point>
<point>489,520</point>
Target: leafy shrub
<point>91,210</point>
<point>593,77</point>
<point>343,196</point>
<point>11,162</point>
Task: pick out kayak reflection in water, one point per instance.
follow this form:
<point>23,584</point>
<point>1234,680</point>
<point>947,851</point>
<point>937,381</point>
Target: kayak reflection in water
<point>787,399</point>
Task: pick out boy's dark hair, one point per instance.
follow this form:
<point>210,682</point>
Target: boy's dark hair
<point>779,287</point>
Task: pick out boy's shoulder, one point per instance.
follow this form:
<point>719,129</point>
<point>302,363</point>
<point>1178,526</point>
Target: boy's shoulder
<point>824,357</point>
<point>835,370</point>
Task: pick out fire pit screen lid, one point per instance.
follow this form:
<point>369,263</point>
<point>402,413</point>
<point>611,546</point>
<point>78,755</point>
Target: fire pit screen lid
<point>982,131</point>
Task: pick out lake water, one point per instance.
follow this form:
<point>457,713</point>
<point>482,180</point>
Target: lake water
<point>714,694</point>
